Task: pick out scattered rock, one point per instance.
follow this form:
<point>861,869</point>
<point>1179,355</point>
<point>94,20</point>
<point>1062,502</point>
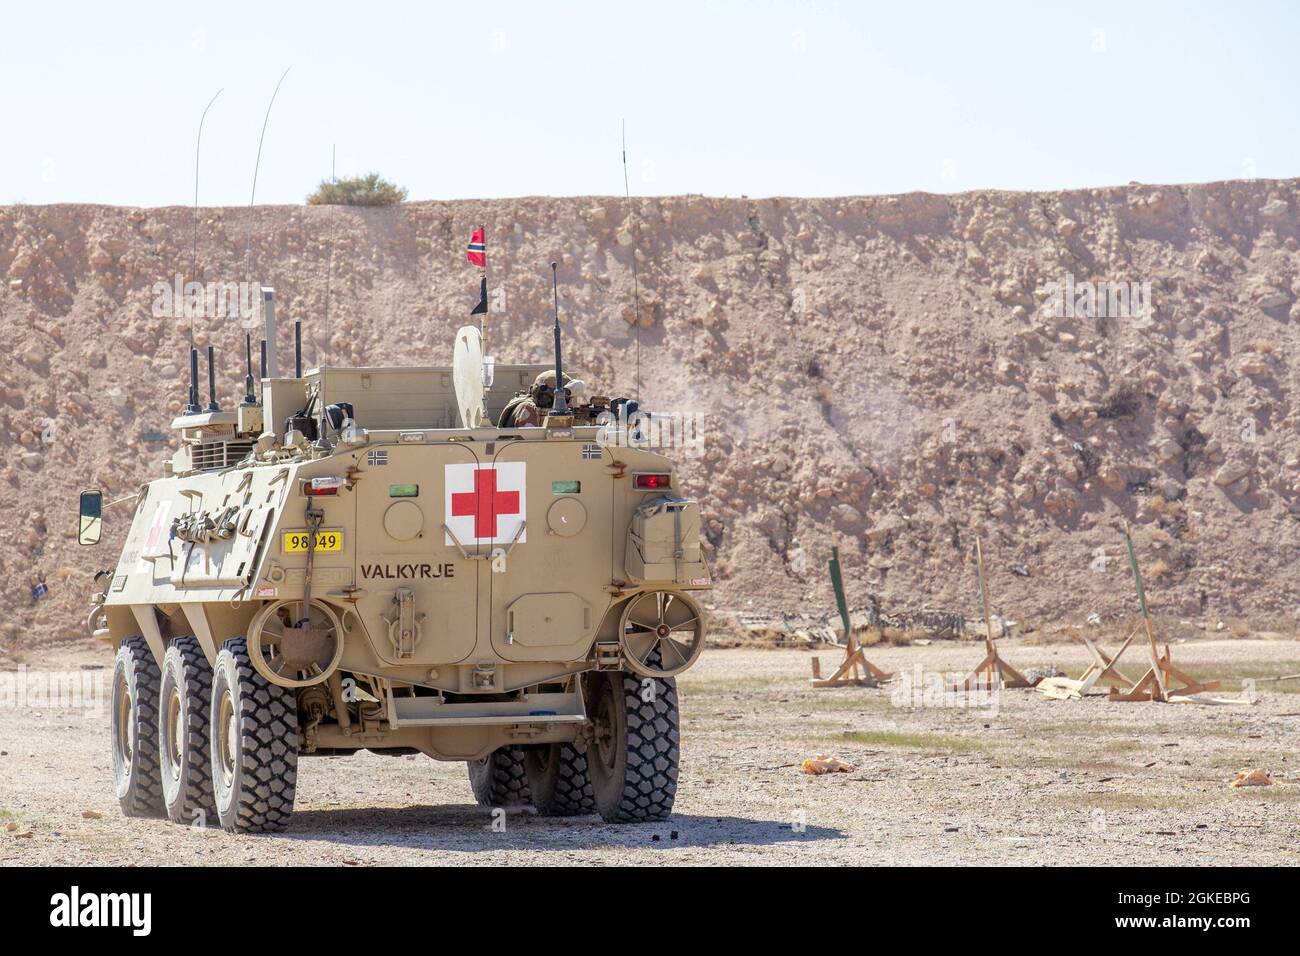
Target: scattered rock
<point>1036,675</point>
<point>1274,209</point>
<point>1231,473</point>
<point>848,515</point>
<point>1273,300</point>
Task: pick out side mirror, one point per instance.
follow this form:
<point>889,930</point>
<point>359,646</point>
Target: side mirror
<point>92,521</point>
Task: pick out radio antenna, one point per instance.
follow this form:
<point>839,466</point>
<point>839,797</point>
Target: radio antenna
<point>248,242</point>
<point>212,381</point>
<point>192,405</point>
<point>194,247</point>
<point>560,405</point>
<point>636,285</point>
<point>192,408</point>
<point>250,396</point>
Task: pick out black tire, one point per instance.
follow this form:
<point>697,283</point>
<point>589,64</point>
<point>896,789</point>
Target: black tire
<point>135,730</point>
<point>254,745</point>
<point>184,735</point>
<point>499,779</point>
<point>633,760</point>
<point>558,781</point>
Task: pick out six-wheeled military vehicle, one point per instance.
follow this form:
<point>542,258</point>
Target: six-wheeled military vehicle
<point>358,558</point>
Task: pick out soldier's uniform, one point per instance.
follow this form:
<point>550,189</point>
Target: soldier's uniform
<point>528,410</point>
<point>521,412</point>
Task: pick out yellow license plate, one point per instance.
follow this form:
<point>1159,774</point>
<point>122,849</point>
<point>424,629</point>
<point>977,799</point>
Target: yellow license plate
<point>295,542</point>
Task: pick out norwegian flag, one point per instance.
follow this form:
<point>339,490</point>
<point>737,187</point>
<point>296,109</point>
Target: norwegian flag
<point>476,251</point>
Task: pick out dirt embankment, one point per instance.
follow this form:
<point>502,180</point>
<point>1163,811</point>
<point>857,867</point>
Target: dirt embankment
<point>902,372</point>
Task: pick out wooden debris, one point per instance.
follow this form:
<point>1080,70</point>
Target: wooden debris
<point>1212,701</point>
<point>822,764</point>
<point>1252,778</point>
<point>1065,688</point>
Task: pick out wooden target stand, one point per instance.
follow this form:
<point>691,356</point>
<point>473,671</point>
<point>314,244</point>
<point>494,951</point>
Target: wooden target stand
<point>993,671</point>
<point>1162,679</point>
<point>855,670</point>
<point>1102,670</point>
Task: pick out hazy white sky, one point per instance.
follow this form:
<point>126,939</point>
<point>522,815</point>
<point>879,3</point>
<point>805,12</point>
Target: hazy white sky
<point>101,102</point>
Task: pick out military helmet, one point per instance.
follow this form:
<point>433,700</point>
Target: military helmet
<point>544,385</point>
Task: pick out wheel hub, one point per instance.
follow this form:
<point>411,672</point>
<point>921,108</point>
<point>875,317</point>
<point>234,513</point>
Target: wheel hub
<point>125,727</point>
<point>176,735</point>
<point>604,728</point>
<point>229,735</point>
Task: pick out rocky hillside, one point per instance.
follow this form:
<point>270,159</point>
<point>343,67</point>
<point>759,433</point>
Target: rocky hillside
<point>900,373</point>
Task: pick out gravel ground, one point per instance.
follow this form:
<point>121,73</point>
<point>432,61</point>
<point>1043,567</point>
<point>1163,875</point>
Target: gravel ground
<point>1019,779</point>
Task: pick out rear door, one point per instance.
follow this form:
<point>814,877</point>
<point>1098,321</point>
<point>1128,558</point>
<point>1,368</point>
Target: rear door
<point>421,596</point>
<point>549,575</point>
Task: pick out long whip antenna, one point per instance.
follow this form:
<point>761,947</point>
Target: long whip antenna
<point>192,406</point>
<point>560,405</point>
<point>248,241</point>
<point>636,285</point>
<point>194,247</point>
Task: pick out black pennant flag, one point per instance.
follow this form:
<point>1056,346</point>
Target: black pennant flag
<point>481,308</point>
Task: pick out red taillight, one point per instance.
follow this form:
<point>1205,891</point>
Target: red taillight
<point>650,482</point>
<point>318,487</point>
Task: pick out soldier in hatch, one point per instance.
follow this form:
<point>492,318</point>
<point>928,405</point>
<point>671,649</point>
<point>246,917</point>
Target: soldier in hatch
<point>528,409</point>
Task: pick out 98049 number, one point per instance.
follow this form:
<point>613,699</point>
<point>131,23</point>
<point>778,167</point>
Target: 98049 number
<point>296,542</point>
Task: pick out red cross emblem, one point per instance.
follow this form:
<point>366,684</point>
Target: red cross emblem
<point>485,503</point>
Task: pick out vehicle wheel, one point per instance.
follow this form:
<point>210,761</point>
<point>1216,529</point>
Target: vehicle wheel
<point>184,738</point>
<point>254,741</point>
<point>558,781</point>
<point>135,730</point>
<point>499,779</point>
<point>633,759</point>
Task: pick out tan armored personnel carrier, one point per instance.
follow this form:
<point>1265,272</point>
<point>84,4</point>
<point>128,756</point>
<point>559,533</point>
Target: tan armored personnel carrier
<point>356,558</point>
